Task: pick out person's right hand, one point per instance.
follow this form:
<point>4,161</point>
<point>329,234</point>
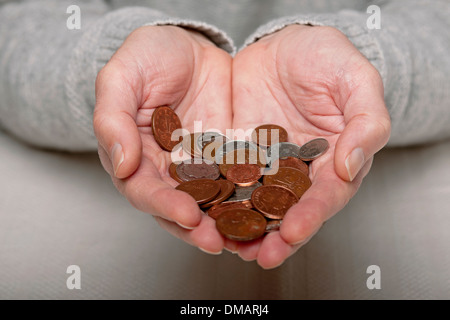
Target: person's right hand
<point>155,66</point>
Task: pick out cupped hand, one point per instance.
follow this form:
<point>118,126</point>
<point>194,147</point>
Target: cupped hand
<point>314,83</point>
<point>161,65</point>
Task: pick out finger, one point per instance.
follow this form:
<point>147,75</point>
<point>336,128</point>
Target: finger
<point>248,251</point>
<point>104,160</point>
<point>274,250</point>
<point>327,195</point>
<point>114,122</point>
<point>231,245</point>
<point>367,128</point>
<point>205,236</point>
<point>153,195</point>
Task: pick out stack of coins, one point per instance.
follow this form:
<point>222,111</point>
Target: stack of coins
<point>246,186</point>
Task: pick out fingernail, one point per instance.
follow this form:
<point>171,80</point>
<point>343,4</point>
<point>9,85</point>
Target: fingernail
<point>229,250</point>
<point>354,162</point>
<point>301,242</point>
<point>185,227</point>
<point>210,252</point>
<point>117,157</point>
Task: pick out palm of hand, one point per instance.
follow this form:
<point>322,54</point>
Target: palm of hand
<point>304,80</point>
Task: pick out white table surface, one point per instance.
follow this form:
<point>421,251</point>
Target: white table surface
<point>59,209</point>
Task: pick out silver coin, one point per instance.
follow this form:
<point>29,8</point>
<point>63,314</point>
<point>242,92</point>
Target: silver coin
<point>209,136</point>
<point>273,225</point>
<point>234,145</point>
<point>282,150</point>
<point>187,145</point>
<point>243,193</point>
<point>313,149</point>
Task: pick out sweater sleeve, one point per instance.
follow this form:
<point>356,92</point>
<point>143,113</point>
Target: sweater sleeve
<point>48,71</point>
<point>410,51</point>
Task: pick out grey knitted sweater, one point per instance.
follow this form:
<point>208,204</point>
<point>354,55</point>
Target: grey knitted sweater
<point>47,71</point>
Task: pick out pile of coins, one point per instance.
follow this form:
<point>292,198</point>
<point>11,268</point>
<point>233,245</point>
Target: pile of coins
<point>246,186</point>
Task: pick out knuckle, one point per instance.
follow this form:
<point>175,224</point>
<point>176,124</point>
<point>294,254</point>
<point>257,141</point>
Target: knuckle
<point>379,128</point>
<point>331,30</point>
<point>372,73</point>
<point>385,127</point>
<point>332,33</point>
<point>99,123</point>
<point>101,76</point>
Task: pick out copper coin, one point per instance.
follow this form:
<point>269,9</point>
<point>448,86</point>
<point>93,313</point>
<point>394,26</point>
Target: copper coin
<point>313,149</point>
<point>241,224</point>
<point>292,162</point>
<point>240,156</point>
<point>244,175</point>
<point>217,209</point>
<point>173,172</point>
<point>164,122</point>
<point>226,190</point>
<point>189,144</point>
<point>273,225</point>
<point>193,169</point>
<point>223,169</point>
<point>291,178</point>
<point>264,134</point>
<point>202,190</point>
<point>273,201</point>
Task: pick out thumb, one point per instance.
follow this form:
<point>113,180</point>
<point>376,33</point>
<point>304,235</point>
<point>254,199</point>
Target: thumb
<point>114,122</point>
<point>367,130</point>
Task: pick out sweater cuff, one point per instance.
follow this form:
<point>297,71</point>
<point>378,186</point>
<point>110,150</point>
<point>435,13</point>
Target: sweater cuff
<point>218,37</point>
<point>97,45</point>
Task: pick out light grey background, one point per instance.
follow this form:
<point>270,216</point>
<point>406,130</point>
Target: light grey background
<point>60,209</point>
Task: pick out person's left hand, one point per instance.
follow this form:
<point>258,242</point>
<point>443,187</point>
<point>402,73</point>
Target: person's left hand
<point>314,83</point>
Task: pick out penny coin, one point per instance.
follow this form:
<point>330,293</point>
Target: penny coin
<point>164,122</point>
<point>282,150</point>
<point>223,169</point>
<point>244,174</point>
<point>217,209</point>
<point>243,193</point>
<point>173,172</point>
<point>273,201</point>
<point>193,169</point>
<point>268,134</point>
<point>273,225</point>
<point>189,144</point>
<point>241,224</point>
<point>313,149</point>
<point>202,190</point>
<point>292,163</point>
<point>226,190</point>
<point>241,156</point>
<point>291,178</point>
